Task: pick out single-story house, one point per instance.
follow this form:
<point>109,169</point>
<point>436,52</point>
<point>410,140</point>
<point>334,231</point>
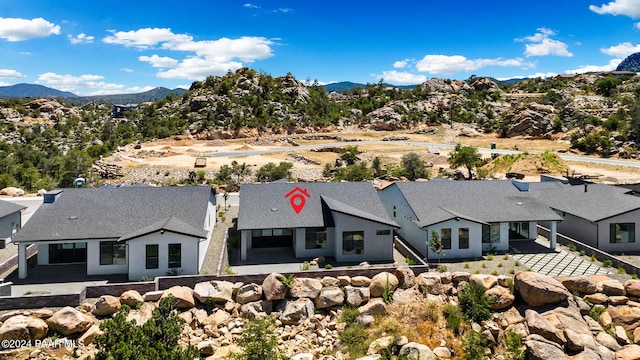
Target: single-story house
<point>10,221</point>
<point>603,216</point>
<point>139,231</point>
<point>343,220</point>
<point>468,217</point>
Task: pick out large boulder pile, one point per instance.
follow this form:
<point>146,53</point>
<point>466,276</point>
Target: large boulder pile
<point>583,317</point>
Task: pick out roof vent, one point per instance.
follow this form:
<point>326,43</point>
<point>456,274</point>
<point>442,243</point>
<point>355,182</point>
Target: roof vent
<point>73,217</point>
<point>274,209</point>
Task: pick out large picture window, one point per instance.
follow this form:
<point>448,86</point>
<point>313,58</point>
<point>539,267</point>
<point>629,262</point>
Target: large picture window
<point>112,253</point>
<point>315,238</point>
<point>463,238</point>
<point>151,256</point>
<point>175,255</point>
<point>352,242</point>
<point>445,238</point>
<point>491,233</point>
<point>622,233</point>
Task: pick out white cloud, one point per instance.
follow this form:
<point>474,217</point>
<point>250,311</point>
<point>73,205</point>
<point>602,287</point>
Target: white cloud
<point>81,38</point>
<point>127,70</point>
<point>612,65</point>
<point>629,8</point>
<point>207,57</point>
<point>622,50</point>
<point>451,64</point>
<point>541,44</point>
<point>145,38</point>
<point>72,83</point>
<point>15,29</point>
<point>283,10</point>
<point>159,61</point>
<point>401,64</point>
<point>123,90</point>
<point>8,73</point>
<point>401,78</point>
<point>251,6</point>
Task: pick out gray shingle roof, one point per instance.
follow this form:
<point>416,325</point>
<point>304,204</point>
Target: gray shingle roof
<point>171,224</point>
<point>113,213</point>
<point>598,203</point>
<point>8,208</point>
<point>480,201</point>
<point>264,206</point>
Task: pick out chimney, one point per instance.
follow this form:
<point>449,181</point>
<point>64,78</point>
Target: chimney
<point>585,187</point>
<point>51,196</point>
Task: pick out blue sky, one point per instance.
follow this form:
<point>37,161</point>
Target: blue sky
<point>106,47</point>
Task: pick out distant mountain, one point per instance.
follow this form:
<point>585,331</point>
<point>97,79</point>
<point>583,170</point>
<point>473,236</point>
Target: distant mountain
<point>151,95</point>
<point>32,90</point>
<point>631,63</point>
<point>343,86</point>
<point>39,91</point>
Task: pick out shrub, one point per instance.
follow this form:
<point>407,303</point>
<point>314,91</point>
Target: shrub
<point>593,258</point>
<point>328,266</point>
<point>442,268</point>
<point>258,341</point>
<point>409,261</point>
<point>431,313</point>
<point>596,311</point>
<point>474,303</point>
<point>475,346</point>
<point>582,252</point>
<point>505,257</point>
<point>621,270</point>
<point>494,272</point>
<point>306,266</point>
<point>513,346</point>
<point>499,264</point>
<point>517,263</point>
<point>387,294</point>
<point>466,265</point>
<point>607,263</point>
<point>483,265</point>
<point>155,339</point>
<point>454,317</point>
<point>354,338</point>
<point>572,247</point>
<point>349,314</point>
<point>489,257</point>
<point>288,280</point>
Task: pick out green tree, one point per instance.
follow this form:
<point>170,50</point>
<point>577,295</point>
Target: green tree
<point>224,174</point>
<point>435,244</point>
<point>467,156</point>
<point>376,166</point>
<point>474,303</point>
<point>414,167</point>
<point>272,172</point>
<point>240,171</point>
<point>351,155</point>
<point>356,172</point>
<point>155,339</point>
<point>258,341</point>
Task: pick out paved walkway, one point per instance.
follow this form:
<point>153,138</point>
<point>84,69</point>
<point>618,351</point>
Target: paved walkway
<point>554,263</point>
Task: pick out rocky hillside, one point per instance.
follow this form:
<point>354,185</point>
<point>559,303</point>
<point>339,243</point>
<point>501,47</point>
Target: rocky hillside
<point>631,63</point>
<point>428,316</point>
<point>54,142</point>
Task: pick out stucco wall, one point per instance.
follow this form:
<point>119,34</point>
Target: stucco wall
<point>302,252</point>
<point>376,247</point>
<point>93,261</point>
<point>409,231</point>
<point>604,235</point>
<point>579,229</point>
<point>475,240</point>
<point>7,224</point>
<point>137,253</point>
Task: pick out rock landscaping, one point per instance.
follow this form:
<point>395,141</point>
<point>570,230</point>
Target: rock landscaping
<point>389,314</point>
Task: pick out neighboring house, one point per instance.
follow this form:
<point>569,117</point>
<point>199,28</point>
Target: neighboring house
<point>10,221</point>
<point>469,217</point>
<point>139,231</point>
<point>341,220</point>
<point>603,216</point>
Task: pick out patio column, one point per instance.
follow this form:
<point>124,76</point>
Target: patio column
<point>243,244</point>
<point>552,235</point>
<point>22,260</point>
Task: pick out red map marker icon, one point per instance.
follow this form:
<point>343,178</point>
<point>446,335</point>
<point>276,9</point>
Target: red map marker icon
<point>297,200</point>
